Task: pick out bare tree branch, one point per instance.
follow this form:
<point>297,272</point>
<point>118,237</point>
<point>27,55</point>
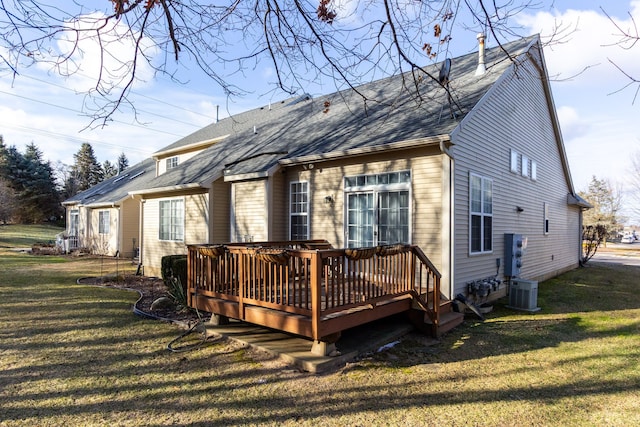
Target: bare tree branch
<point>305,41</point>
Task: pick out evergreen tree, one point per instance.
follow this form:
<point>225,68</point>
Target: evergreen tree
<point>109,169</point>
<point>7,201</point>
<point>39,197</point>
<point>123,162</point>
<point>29,183</point>
<point>86,169</point>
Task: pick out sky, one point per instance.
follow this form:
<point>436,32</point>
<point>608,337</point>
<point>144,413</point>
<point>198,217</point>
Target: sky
<point>598,115</point>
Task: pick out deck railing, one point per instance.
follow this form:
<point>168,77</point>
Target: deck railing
<point>317,284</point>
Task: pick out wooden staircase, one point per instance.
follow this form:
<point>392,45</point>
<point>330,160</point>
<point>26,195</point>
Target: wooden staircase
<point>447,319</point>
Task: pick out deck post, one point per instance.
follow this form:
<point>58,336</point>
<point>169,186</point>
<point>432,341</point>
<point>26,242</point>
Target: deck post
<point>316,301</point>
<point>190,275</point>
<point>323,348</point>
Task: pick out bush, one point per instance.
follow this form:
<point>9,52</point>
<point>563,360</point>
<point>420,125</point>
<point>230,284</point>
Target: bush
<point>167,267</point>
<point>174,276</point>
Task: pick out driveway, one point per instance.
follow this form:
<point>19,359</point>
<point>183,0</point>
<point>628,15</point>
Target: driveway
<point>619,253</point>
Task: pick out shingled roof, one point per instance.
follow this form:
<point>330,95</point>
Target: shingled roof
<point>374,116</point>
<point>117,188</point>
<point>379,114</point>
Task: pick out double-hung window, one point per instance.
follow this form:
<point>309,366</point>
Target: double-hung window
<point>299,211</point>
<point>172,162</point>
<point>103,222</point>
<point>172,220</point>
<point>481,214</point>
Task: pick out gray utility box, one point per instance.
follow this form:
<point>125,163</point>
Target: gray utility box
<point>514,246</point>
<point>523,295</point>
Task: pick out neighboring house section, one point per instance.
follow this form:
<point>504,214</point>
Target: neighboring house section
<point>170,222</point>
<point>450,168</point>
<point>105,219</point>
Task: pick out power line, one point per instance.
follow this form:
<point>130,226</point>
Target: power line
<point>137,109</point>
<point>77,112</point>
<point>57,135</point>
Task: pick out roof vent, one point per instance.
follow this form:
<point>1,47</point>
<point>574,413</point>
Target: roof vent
<point>481,67</point>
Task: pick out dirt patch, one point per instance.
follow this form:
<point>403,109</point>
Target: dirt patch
<point>150,289</point>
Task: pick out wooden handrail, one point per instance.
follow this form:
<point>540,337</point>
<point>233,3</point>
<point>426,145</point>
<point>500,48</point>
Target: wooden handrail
<point>312,282</point>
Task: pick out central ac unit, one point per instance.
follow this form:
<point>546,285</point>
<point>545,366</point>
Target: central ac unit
<point>523,295</point>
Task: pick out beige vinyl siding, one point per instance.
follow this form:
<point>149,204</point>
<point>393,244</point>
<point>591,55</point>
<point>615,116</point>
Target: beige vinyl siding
<point>161,164</point>
<point>249,211</point>
<point>129,227</point>
<point>83,224</point>
<point>514,116</point>
<point>279,207</point>
<point>106,243</point>
<point>196,214</point>
<point>220,207</point>
<point>326,179</point>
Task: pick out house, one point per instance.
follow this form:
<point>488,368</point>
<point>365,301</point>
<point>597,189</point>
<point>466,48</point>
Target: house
<point>105,219</point>
<point>457,169</point>
<point>451,174</point>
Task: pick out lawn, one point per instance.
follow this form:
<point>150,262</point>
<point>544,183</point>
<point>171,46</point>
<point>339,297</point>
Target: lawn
<point>18,235</point>
<point>76,355</point>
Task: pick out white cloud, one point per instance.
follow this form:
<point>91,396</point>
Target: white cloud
<point>108,54</point>
<point>586,45</point>
<point>572,124</point>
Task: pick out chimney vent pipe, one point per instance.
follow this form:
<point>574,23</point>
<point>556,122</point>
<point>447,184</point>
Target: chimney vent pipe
<point>481,67</point>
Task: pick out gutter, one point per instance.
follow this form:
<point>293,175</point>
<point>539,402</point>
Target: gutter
<point>168,189</point>
<point>364,151</point>
<point>188,147</point>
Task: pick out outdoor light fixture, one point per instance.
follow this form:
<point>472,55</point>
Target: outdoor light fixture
<point>328,200</point>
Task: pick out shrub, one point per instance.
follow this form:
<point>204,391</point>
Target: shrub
<point>174,276</point>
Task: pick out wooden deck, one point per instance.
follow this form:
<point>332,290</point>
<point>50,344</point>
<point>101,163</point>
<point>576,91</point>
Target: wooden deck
<point>310,289</point>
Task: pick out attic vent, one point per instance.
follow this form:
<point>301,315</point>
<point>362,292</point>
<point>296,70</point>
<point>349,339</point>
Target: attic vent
<point>136,175</point>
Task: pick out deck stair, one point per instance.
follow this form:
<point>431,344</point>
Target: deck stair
<point>448,318</point>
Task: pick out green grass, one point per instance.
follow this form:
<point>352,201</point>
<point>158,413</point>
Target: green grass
<point>76,355</point>
<point>23,236</point>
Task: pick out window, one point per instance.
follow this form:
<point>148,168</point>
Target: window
<point>514,161</point>
<point>377,210</point>
<point>103,222</point>
<point>172,162</point>
<point>534,170</point>
<point>525,166</point>
<point>299,211</point>
<point>481,214</point>
<point>172,220</point>
<point>73,223</point>
<point>545,208</point>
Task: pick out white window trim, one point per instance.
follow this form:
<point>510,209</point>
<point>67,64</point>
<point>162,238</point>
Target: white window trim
<point>104,228</point>
<point>378,188</point>
<point>514,161</point>
<point>171,162</point>
<point>184,208</point>
<point>525,166</point>
<point>307,214</point>
<point>482,215</point>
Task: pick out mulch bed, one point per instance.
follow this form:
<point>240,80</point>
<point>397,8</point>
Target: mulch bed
<point>150,289</point>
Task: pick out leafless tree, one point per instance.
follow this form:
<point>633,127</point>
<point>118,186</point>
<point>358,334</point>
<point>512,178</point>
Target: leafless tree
<point>628,38</point>
<point>302,40</point>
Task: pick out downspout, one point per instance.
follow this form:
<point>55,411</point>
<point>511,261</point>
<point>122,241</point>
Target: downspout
<point>118,228</point>
<point>140,235</point>
<point>451,228</point>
